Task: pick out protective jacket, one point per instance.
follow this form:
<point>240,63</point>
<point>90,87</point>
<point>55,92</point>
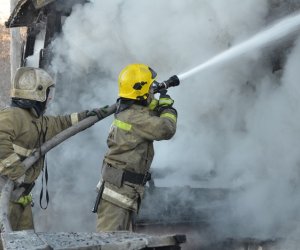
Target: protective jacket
<point>130,143</point>
<point>21,132</point>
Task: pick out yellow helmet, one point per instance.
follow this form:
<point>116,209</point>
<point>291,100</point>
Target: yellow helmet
<point>135,81</point>
<point>31,84</point>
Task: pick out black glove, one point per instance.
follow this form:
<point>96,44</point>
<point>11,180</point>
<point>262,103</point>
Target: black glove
<point>163,93</point>
<point>164,102</point>
<point>100,113</point>
<point>164,99</point>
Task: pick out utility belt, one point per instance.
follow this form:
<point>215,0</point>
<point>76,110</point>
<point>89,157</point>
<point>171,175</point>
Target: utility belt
<point>117,176</point>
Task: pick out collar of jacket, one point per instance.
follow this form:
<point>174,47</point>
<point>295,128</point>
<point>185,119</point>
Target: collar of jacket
<point>37,109</point>
<point>34,113</point>
<point>123,104</point>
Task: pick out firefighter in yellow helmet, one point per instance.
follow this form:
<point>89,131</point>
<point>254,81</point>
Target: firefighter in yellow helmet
<point>24,128</point>
<point>139,120</point>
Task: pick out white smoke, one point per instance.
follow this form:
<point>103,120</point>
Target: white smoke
<point>4,10</point>
<point>238,123</point>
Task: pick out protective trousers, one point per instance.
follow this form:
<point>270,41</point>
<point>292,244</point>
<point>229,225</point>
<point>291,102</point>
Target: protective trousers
<point>20,217</point>
<point>113,218</point>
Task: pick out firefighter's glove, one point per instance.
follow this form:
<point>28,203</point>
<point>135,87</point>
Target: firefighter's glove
<point>25,200</point>
<point>164,102</point>
<point>153,104</point>
<point>100,113</point>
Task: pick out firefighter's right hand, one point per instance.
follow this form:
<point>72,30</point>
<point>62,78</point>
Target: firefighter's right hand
<point>100,113</point>
<point>165,100</point>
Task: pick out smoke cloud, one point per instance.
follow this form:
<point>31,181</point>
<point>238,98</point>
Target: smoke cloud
<point>238,123</point>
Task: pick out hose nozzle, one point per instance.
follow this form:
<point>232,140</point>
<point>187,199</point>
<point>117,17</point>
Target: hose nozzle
<point>171,82</point>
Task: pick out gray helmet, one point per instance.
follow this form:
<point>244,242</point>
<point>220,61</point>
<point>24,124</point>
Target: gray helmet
<point>31,84</point>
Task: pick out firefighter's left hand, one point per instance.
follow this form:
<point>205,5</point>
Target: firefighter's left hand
<point>153,104</point>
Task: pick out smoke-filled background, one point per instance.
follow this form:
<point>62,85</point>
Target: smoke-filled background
<point>238,124</point>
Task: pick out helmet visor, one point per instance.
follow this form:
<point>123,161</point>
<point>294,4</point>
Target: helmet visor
<point>153,73</point>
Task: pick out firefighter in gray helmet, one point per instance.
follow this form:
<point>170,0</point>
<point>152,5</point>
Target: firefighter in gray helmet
<point>139,120</point>
<point>23,129</point>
